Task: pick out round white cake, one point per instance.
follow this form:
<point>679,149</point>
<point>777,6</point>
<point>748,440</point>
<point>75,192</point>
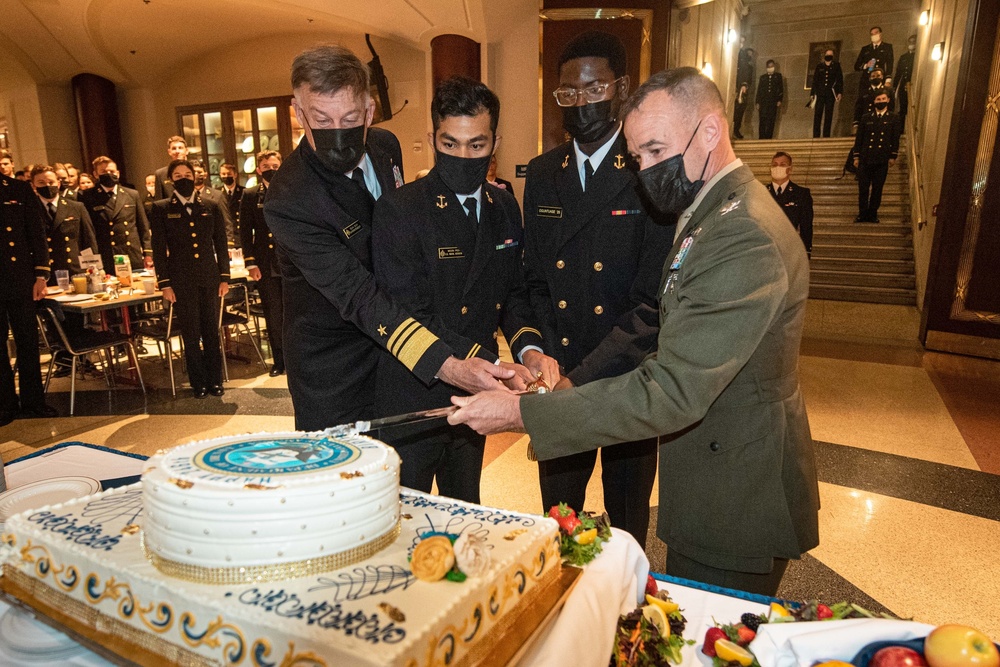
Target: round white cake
<point>268,506</point>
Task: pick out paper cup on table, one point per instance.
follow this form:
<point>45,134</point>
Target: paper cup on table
<point>80,284</point>
<point>149,285</point>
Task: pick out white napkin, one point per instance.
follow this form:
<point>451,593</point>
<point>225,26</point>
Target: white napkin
<point>807,642</point>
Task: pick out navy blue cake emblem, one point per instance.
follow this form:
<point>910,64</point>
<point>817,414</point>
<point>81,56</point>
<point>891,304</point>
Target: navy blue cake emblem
<point>276,456</point>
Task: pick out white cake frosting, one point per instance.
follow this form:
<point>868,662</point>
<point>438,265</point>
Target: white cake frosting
<point>253,503</point>
<point>84,559</point>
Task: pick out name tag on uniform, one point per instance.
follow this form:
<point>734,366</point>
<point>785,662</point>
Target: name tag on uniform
<point>352,229</point>
<point>99,207</point>
<point>173,215</point>
<point>508,243</point>
<point>70,218</point>
<point>550,211</point>
<point>127,206</point>
<point>450,252</point>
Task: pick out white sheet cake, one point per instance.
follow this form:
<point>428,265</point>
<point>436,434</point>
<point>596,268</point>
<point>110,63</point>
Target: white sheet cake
<point>86,556</point>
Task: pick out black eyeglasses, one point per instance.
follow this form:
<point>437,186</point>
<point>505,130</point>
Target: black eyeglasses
<point>567,96</point>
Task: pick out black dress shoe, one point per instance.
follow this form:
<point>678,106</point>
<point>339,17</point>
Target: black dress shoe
<point>199,392</point>
<point>875,220</point>
<point>39,412</point>
<point>216,390</point>
<point>859,219</point>
<point>276,370</point>
<point>6,417</point>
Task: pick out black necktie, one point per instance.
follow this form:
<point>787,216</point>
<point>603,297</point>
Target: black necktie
<point>358,176</point>
<point>470,206</point>
<point>52,210</point>
<point>588,173</point>
<point>187,207</point>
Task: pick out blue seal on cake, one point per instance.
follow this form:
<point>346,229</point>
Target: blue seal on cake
<point>276,456</point>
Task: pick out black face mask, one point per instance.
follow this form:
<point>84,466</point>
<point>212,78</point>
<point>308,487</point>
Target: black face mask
<point>184,187</point>
<point>881,105</point>
<point>228,180</point>
<point>876,82</point>
<point>107,180</point>
<point>340,150</point>
<point>667,184</point>
<point>49,191</point>
<point>590,122</point>
<point>267,175</point>
<point>828,59</point>
<point>462,175</point>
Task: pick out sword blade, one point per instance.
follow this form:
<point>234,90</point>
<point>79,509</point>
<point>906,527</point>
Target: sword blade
<point>395,420</point>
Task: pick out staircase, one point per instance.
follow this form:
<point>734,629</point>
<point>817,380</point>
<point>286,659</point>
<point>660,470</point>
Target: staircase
<point>850,262</point>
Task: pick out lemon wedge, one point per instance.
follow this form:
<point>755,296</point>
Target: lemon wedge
<point>655,615</point>
<point>667,606</point>
<point>586,537</point>
<point>731,652</point>
<point>778,611</point>
<point>834,663</point>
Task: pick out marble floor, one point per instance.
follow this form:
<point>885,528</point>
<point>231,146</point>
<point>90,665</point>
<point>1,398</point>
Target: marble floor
<point>907,442</point>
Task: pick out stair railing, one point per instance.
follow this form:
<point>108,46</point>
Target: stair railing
<point>913,157</point>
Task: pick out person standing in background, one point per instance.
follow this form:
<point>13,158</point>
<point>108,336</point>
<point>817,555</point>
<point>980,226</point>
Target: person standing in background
<point>231,192</point>
<point>24,271</point>
<point>177,150</point>
<point>744,79</point>
<point>119,218</point>
<point>827,88</point>
<point>878,54</point>
<point>770,92</point>
<point>68,229</point>
<point>876,148</point>
<point>904,75</point>
<point>257,242</point>
<point>795,200</point>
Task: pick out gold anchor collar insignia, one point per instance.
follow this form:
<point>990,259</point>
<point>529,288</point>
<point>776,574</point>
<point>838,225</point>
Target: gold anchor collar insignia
<point>565,162</point>
<point>619,161</point>
<point>441,203</point>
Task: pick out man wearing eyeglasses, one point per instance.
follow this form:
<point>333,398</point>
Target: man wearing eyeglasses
<point>593,257</point>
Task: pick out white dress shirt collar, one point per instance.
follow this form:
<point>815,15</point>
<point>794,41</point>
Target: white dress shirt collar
<point>368,170</point>
<point>596,158</point>
<point>478,196</point>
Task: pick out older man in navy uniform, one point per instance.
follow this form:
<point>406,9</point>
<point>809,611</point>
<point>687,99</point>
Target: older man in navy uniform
<point>876,147</point>
<point>593,257</point>
<point>257,242</point>
<point>119,218</point>
<point>24,271</point>
<point>319,208</point>
<point>796,201</point>
<point>448,246</point>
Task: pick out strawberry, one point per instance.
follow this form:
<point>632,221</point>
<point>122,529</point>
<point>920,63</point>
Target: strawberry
<point>651,588</point>
<point>565,516</point>
<point>746,634</point>
<point>823,612</point>
<point>713,635</point>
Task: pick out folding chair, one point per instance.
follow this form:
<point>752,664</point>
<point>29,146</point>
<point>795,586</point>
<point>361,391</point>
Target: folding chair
<point>78,345</point>
<point>162,331</point>
<point>229,319</point>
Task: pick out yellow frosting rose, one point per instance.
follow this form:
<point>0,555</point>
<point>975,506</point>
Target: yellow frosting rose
<point>432,558</point>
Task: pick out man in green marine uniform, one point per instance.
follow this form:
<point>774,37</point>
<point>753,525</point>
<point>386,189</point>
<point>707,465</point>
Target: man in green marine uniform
<point>738,490</point>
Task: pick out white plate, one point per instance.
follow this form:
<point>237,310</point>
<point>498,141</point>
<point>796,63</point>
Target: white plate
<point>73,298</point>
<point>45,492</point>
<point>25,639</point>
<point>54,290</point>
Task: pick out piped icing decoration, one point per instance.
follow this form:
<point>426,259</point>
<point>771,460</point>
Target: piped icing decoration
<point>432,558</point>
<point>472,556</point>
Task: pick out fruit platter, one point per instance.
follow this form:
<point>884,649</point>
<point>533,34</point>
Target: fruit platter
<point>678,624</point>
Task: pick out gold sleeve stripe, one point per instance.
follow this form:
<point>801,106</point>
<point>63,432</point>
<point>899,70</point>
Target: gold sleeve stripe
<point>414,347</point>
<point>475,349</point>
<point>42,268</point>
<point>524,330</point>
<point>401,331</point>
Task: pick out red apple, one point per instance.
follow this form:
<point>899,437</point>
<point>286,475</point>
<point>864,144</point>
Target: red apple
<point>897,656</point>
<point>960,646</point>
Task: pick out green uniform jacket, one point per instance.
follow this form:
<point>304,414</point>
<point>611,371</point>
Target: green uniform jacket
<point>737,469</point>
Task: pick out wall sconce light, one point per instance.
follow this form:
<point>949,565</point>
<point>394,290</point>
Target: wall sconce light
<point>937,53</point>
<point>731,36</point>
<point>925,17</point>
<point>706,69</point>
